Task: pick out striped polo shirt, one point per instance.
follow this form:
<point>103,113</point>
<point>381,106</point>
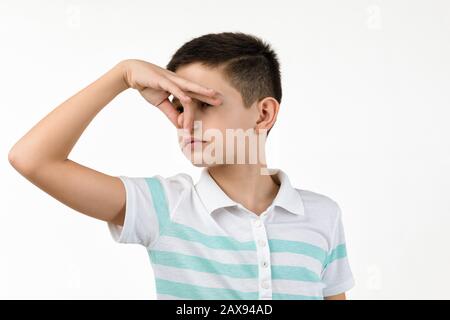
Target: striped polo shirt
<point>203,245</point>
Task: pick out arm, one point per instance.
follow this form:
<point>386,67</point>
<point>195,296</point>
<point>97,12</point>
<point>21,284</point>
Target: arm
<point>340,296</point>
<point>41,155</point>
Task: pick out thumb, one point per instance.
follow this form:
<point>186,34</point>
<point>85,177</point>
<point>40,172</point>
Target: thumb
<point>180,120</point>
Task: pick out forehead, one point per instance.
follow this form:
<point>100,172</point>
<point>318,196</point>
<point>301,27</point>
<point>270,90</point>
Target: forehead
<point>207,77</point>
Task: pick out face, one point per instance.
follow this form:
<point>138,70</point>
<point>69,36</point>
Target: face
<point>213,122</point>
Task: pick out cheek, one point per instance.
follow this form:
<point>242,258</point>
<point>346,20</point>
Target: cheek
<point>232,118</point>
<point>241,120</point>
<point>228,118</point>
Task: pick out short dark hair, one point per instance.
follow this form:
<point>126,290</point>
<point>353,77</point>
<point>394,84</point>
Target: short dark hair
<point>249,64</point>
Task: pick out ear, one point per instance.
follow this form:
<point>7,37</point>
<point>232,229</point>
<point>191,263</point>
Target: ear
<point>268,110</point>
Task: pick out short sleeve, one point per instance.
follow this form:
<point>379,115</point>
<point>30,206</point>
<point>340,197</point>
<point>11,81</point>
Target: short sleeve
<point>337,275</point>
<point>149,204</point>
<point>140,224</point>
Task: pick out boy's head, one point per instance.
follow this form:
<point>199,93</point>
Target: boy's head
<point>245,71</point>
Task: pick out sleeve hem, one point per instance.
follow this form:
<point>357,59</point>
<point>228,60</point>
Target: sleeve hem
<point>340,288</point>
<point>121,233</point>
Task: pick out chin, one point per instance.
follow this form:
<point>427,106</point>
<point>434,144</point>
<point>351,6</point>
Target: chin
<point>199,162</point>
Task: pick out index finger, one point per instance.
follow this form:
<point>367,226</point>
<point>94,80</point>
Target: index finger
<point>187,85</point>
<point>216,100</point>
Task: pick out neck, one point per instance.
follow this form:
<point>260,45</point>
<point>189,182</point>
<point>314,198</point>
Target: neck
<point>245,184</point>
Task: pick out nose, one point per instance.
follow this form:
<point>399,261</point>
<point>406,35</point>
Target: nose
<point>195,123</point>
<point>183,134</point>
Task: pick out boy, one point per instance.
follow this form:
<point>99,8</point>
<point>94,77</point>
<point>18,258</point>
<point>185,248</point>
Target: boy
<point>242,231</point>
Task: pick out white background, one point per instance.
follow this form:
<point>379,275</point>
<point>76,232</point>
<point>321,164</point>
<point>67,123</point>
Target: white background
<point>364,119</point>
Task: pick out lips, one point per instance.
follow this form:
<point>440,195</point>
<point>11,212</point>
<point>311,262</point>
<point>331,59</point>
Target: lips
<point>191,140</point>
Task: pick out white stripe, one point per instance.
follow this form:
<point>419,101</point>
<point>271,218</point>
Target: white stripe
<point>204,279</point>
<point>162,296</point>
<point>297,287</point>
<point>296,260</point>
<point>306,234</point>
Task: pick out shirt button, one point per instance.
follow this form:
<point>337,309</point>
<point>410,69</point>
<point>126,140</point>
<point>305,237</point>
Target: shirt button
<point>265,285</point>
<point>261,243</point>
<point>258,223</point>
<point>264,264</point>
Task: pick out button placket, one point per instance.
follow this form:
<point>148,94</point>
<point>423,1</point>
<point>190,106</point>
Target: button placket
<point>263,256</point>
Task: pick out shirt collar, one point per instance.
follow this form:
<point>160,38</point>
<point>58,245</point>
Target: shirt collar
<point>213,197</point>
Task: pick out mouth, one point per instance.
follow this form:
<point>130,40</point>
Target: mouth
<point>192,142</point>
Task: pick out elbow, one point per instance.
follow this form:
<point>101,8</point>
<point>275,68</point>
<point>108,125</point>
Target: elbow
<point>12,159</point>
<point>18,162</point>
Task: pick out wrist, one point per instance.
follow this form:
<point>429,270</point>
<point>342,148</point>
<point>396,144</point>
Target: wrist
<point>122,70</point>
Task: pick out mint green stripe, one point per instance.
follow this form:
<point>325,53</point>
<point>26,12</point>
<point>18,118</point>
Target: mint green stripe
<point>159,201</point>
<point>189,291</point>
<point>243,271</point>
<point>279,245</point>
<point>339,252</point>
<point>287,296</point>
<point>184,232</point>
<point>184,261</point>
<point>294,273</point>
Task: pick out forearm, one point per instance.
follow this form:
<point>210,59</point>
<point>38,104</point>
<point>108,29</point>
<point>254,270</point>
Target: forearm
<point>53,137</point>
<point>340,296</point>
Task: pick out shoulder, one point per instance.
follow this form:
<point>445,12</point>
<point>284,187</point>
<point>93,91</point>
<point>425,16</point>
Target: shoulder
<point>174,183</point>
<point>171,188</point>
<point>320,207</point>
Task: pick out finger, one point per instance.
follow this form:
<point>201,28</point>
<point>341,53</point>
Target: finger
<point>169,110</point>
<point>215,101</point>
<point>171,87</point>
<point>188,115</point>
<point>180,121</point>
<point>191,86</point>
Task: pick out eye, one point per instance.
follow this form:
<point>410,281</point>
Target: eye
<point>204,105</point>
